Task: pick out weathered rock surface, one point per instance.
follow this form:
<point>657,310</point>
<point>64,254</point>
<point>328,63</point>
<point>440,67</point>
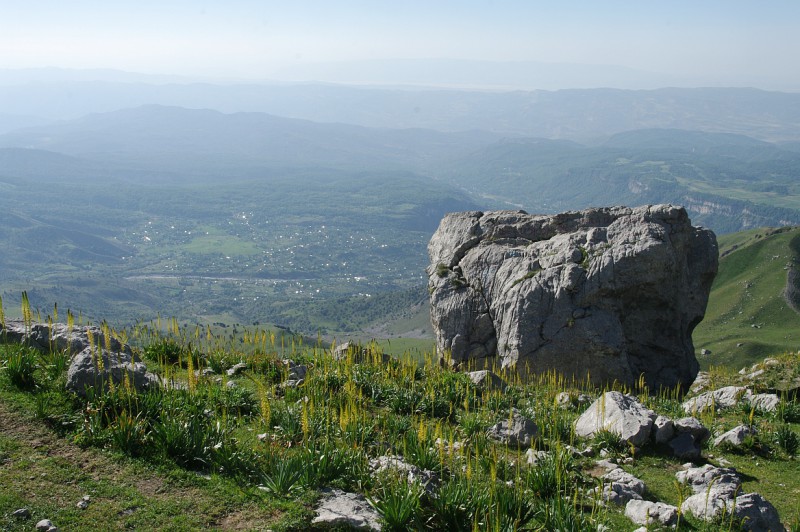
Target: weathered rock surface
<point>413,474</point>
<point>734,437</point>
<point>757,514</point>
<point>651,513</point>
<point>722,398</point>
<point>95,360</point>
<point>610,293</point>
<point>338,508</point>
<point>619,487</point>
<point>515,431</point>
<point>716,492</point>
<point>97,368</point>
<point>59,337</point>
<point>487,380</point>
<point>620,413</point>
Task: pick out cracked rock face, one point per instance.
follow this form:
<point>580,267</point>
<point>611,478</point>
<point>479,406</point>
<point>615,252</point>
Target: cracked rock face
<point>611,293</point>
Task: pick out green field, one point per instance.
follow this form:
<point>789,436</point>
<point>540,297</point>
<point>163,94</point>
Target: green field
<point>748,316</point>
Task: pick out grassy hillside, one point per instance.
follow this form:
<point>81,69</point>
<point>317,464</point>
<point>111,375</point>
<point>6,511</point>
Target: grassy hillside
<point>748,316</point>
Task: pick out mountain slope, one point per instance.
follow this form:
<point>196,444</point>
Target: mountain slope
<point>727,182</point>
<point>205,141</point>
<point>748,316</point>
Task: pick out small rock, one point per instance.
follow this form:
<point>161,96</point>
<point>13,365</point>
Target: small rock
<point>236,369</point>
<point>768,402</point>
<point>705,352</point>
<point>339,508</point>
<point>44,524</point>
<point>650,513</point>
<point>734,437</point>
<point>619,487</point>
<point>725,397</point>
<point>516,431</point>
<point>619,413</point>
<point>22,513</point>
<point>486,380</point>
<point>534,457</point>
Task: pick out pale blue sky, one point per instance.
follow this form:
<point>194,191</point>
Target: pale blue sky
<point>250,39</point>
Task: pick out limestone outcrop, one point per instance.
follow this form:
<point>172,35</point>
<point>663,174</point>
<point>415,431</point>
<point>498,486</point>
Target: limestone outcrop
<point>611,293</point>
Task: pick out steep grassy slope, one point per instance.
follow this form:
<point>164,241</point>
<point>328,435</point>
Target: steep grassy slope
<point>748,315</point>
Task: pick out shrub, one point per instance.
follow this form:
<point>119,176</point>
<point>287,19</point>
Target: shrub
<point>398,504</point>
<point>787,439</point>
<point>284,475</point>
<point>20,365</point>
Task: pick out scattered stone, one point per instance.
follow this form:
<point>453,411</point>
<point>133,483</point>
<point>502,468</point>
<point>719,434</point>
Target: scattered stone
<point>97,368</point>
<point>564,400</point>
<point>84,502</point>
<point>618,413</point>
<point>534,457</point>
<point>619,487</point>
<point>231,385</point>
<point>663,429</point>
<point>554,293</point>
<point>236,369</point>
<point>700,478</point>
<point>297,372</point>
<point>518,431</point>
<point>726,397</point>
<point>705,352</point>
<point>22,513</point>
<point>700,383</point>
<point>59,336</point>
<point>651,513</point>
<point>608,465</point>
<point>757,514</point>
<point>734,437</point>
<point>339,508</point>
<point>714,490</point>
<point>424,477</point>
<point>44,524</point>
<point>768,402</point>
<point>487,380</point>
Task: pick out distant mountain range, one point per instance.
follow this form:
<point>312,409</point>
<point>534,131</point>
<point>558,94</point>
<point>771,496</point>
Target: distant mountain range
<point>727,181</point>
<point>579,114</point>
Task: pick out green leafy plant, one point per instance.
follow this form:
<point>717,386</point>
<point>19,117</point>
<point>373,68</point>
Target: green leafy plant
<point>398,504</point>
<point>20,365</point>
<point>283,476</point>
<point>787,439</point>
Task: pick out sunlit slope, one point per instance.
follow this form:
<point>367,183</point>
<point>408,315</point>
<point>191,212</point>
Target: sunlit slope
<point>748,316</point>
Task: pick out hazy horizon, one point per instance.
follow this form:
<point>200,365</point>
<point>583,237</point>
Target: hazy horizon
<point>471,44</point>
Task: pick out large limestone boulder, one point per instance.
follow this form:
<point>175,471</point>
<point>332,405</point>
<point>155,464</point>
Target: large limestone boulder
<point>610,293</point>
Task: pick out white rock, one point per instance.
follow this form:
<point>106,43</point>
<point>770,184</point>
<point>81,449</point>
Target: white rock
<point>734,437</point>
<point>650,513</point>
<point>618,413</point>
<point>518,431</point>
<point>339,508</point>
<point>723,398</point>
